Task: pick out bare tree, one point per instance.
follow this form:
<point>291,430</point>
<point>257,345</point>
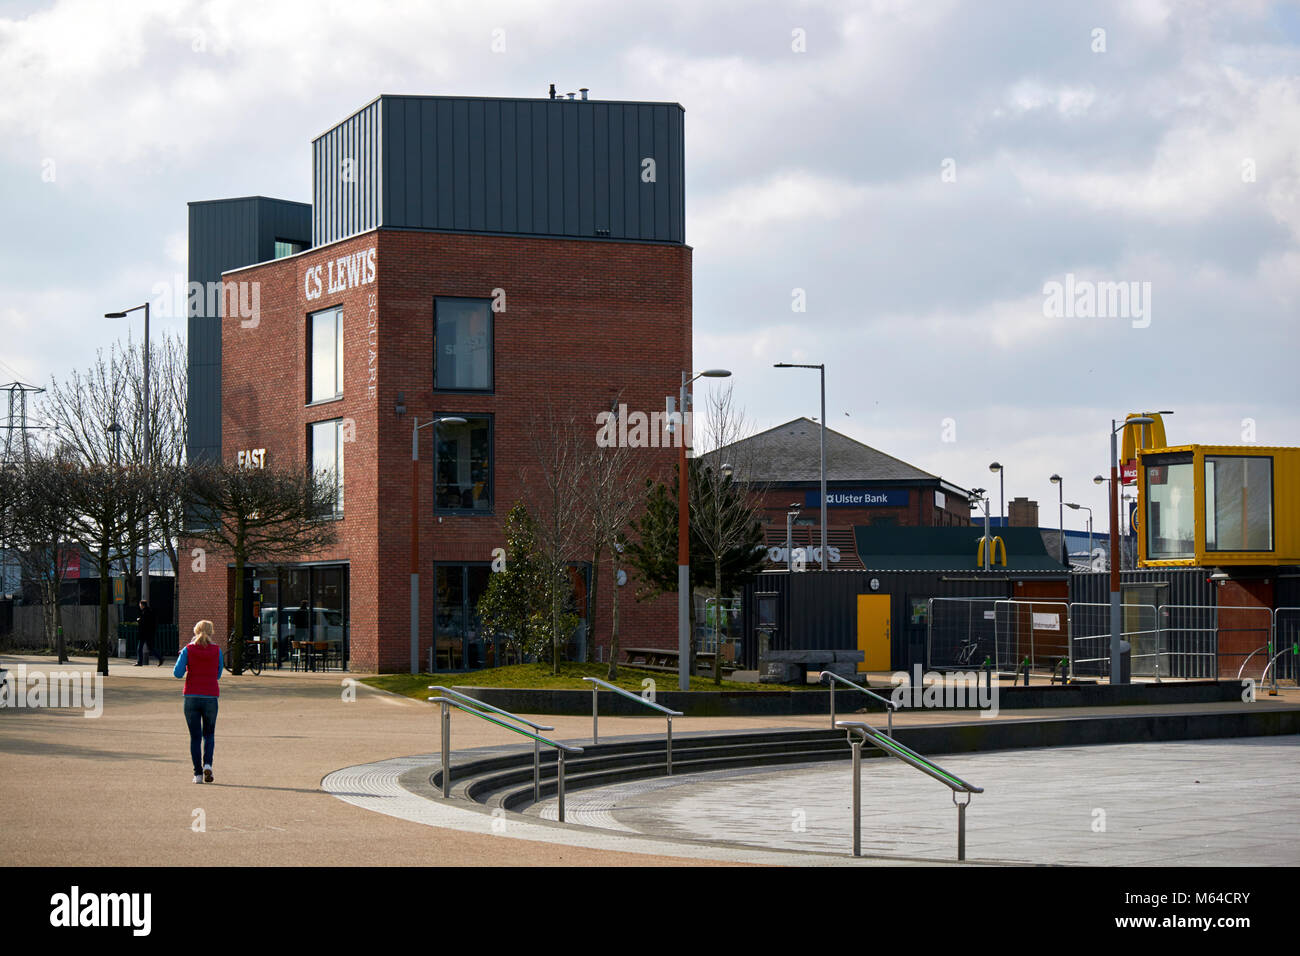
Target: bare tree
<point>553,493</point>
<point>100,415</point>
<point>258,514</point>
<point>102,497</point>
<point>613,495</point>
<point>725,515</point>
<point>39,525</point>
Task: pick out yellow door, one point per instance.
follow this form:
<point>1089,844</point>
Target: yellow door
<point>873,632</point>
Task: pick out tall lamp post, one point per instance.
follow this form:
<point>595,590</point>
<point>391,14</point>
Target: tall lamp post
<point>1115,675</point>
<point>144,573</point>
<point>822,370</point>
<point>415,528</point>
<point>684,533</point>
<point>996,468</point>
<point>1076,507</point>
<point>979,498</point>
<point>1060,490</point>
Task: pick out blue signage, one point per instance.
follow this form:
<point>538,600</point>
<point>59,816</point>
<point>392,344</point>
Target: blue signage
<point>857,498</point>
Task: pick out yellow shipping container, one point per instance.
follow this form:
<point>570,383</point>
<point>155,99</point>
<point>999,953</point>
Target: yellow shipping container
<point>1208,505</point>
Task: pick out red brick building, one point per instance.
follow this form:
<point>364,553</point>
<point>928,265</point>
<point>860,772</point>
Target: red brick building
<point>373,327</point>
<point>864,487</point>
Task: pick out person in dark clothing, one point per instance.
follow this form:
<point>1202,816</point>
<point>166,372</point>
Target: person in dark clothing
<point>146,636</point>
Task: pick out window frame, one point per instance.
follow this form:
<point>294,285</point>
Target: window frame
<point>340,501</point>
<point>1206,506</point>
<point>311,354</point>
<point>469,417</point>
<point>491,345</point>
<point>1146,525</point>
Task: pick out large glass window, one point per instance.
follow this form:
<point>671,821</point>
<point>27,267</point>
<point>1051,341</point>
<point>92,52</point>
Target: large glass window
<point>326,349</point>
<point>463,466</point>
<point>288,247</point>
<point>1238,503</point>
<point>327,459</point>
<point>1170,510</point>
<point>462,344</point>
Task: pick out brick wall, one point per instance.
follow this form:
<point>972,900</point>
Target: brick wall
<point>583,322</point>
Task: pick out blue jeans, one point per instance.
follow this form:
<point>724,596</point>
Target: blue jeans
<point>201,717</point>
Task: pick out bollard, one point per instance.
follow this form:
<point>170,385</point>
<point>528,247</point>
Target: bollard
<point>1025,665</point>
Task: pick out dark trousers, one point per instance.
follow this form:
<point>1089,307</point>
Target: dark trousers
<point>201,717</point>
<point>144,648</point>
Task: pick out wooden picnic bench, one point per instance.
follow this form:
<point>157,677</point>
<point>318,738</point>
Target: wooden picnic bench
<point>661,659</point>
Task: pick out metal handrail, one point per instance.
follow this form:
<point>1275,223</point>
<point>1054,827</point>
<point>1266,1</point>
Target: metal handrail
<point>890,706</point>
<point>596,684</point>
<point>1267,667</point>
<point>909,756</point>
<point>537,747</point>
<point>1248,657</point>
<point>560,749</point>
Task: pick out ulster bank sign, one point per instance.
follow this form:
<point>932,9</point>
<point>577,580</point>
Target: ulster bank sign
<point>857,498</point>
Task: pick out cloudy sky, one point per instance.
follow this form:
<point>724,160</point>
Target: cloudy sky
<point>923,171</point>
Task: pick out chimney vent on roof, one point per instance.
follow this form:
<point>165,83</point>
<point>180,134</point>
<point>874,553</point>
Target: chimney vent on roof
<point>583,91</point>
<point>552,91</point>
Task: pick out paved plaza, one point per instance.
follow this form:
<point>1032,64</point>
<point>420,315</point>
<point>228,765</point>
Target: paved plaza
<point>1214,802</point>
<point>306,767</point>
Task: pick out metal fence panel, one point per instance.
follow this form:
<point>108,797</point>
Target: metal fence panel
<point>1286,638</point>
<point>960,632</point>
<point>1090,640</point>
<point>1030,630</point>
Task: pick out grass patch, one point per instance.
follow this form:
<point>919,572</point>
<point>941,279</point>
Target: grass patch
<point>539,676</point>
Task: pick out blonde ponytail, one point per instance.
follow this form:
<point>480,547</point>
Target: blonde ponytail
<point>203,633</point>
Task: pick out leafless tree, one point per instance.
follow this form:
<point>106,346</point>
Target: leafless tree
<point>100,415</point>
<point>725,514</point>
<point>39,526</point>
<point>255,515</point>
<point>614,491</point>
<point>553,482</point>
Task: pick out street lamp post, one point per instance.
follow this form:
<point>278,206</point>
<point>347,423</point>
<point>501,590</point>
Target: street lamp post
<point>144,573</point>
<point>790,515</point>
<point>684,532</point>
<point>1060,488</point>
<point>980,497</point>
<point>996,468</point>
<point>1076,507</point>
<point>1115,674</point>
<point>415,528</point>
<point>822,370</point>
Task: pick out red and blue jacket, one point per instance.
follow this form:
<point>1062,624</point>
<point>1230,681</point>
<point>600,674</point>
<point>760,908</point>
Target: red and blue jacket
<point>200,665</point>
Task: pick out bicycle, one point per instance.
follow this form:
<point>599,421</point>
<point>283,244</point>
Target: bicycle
<point>252,656</point>
<point>966,653</point>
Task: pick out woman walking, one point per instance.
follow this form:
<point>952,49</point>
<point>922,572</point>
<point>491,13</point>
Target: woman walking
<point>200,664</point>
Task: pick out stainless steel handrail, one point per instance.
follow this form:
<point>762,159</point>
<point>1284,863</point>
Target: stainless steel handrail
<point>1248,657</point>
<point>596,684</point>
<point>1269,666</point>
<point>537,748</point>
<point>890,706</point>
<point>560,749</point>
<point>909,756</point>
